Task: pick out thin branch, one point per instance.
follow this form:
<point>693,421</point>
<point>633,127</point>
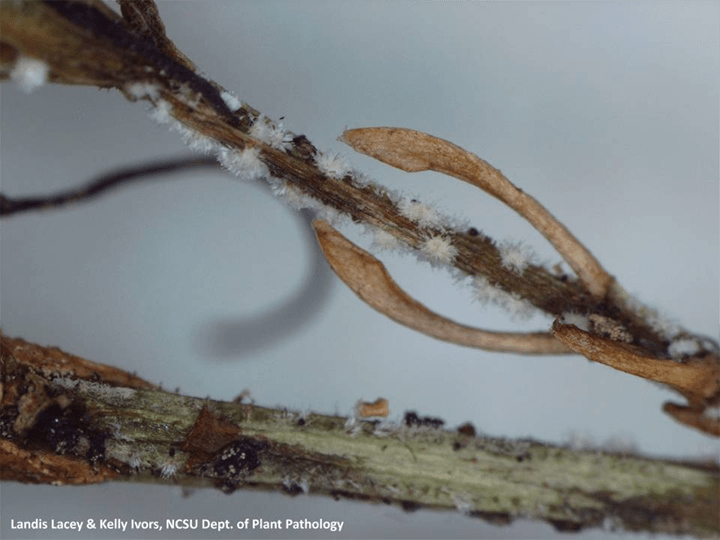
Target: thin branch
<point>102,184</point>
<point>80,422</point>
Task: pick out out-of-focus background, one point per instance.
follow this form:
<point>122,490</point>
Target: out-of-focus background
<point>607,112</point>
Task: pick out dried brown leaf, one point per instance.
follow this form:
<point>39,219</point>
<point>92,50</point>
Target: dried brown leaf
<point>367,409</point>
<point>368,278</point>
<point>414,151</point>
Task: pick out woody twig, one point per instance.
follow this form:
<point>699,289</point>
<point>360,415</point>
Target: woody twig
<point>80,422</point>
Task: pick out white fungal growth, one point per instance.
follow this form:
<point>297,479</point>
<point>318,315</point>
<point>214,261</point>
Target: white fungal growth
<point>29,73</point>
<point>439,250</point>
<point>331,215</point>
<point>332,164</point>
<point>361,178</point>
<point>383,240</point>
<point>658,322</point>
<point>463,502</point>
<point>199,143</point>
<point>292,485</point>
<point>195,141</point>
<point>683,347</point>
<point>113,394</point>
<point>620,444</point>
<point>581,441</point>
<point>169,470</point>
<point>267,132</point>
<point>160,113</point>
<point>231,101</point>
<point>386,428</point>
<point>296,198</point>
<point>245,164</point>
<point>278,186</point>
<point>140,90</point>
<point>305,486</point>
<point>662,324</point>
<point>487,293</point>
<point>713,413</point>
<point>118,433</point>
<point>352,425</point>
<point>515,256</point>
<point>422,214</point>
<point>581,321</point>
<point>124,453</point>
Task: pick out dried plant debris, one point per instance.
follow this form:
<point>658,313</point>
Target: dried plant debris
<point>369,409</point>
<point>411,419</point>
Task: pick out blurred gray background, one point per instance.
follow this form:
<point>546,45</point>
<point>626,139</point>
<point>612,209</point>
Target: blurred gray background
<point>607,112</point>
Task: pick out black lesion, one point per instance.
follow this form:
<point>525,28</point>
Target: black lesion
<point>67,430</point>
<point>96,447</point>
<point>412,419</point>
<point>237,458</point>
<point>59,429</point>
<point>236,461</point>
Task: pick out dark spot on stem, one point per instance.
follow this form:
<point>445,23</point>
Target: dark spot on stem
<point>412,419</point>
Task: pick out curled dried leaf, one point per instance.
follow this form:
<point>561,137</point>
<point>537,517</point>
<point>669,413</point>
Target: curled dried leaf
<point>368,278</point>
<point>367,409</point>
<point>697,379</point>
<point>414,151</point>
<point>693,417</point>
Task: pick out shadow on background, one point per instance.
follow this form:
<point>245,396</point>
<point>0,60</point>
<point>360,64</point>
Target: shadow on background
<point>229,339</point>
